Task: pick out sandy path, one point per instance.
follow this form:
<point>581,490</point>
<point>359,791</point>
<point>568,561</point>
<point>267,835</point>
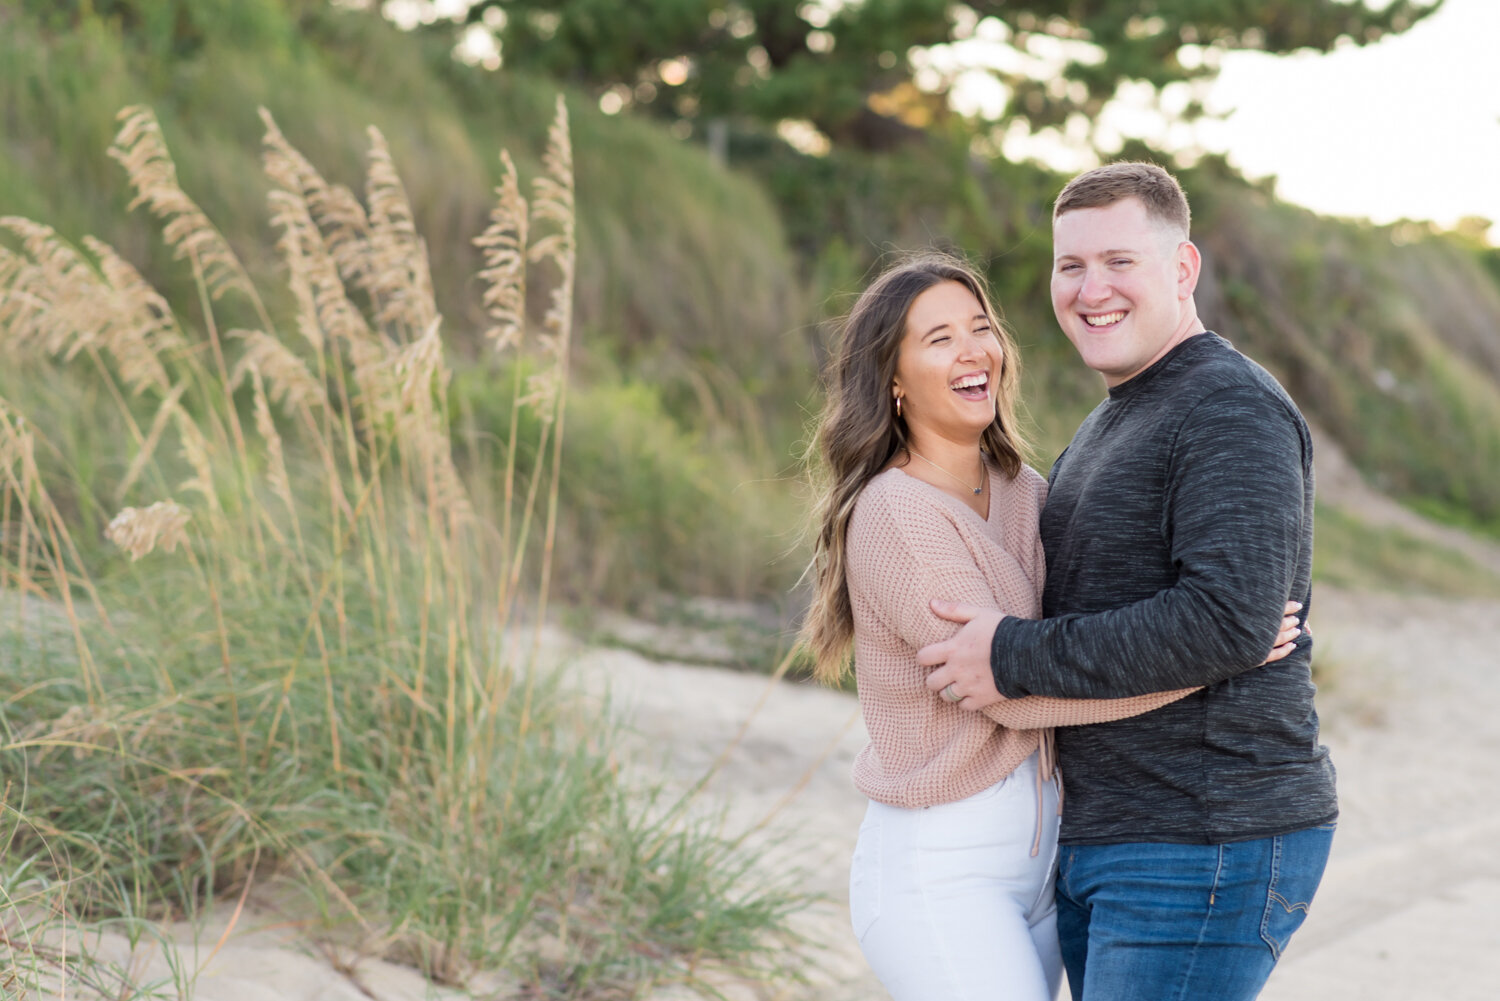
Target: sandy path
<point>1409,908</point>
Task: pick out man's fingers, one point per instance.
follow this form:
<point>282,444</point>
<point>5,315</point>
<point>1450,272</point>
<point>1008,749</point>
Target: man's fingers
<point>935,655</point>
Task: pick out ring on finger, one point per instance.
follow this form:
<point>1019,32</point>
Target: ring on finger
<point>950,695</point>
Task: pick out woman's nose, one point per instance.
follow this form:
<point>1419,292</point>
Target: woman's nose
<point>973,345</point>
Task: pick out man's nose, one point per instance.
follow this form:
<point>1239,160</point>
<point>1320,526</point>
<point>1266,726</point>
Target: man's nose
<point>1096,287</point>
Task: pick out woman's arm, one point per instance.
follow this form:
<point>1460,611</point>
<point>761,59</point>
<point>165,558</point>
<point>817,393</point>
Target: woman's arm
<point>1036,712</point>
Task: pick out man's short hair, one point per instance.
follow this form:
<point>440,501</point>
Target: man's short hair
<point>1101,187</point>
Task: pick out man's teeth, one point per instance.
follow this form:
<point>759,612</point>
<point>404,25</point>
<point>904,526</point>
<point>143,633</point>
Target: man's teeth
<point>969,381</point>
<point>1104,319</point>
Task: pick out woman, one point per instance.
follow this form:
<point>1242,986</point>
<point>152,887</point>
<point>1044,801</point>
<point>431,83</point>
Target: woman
<point>928,494</point>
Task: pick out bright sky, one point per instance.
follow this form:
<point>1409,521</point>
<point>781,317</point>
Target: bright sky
<point>1406,128</point>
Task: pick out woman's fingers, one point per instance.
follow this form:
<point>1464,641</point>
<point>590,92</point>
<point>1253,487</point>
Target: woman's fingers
<point>1280,652</point>
<point>1290,630</point>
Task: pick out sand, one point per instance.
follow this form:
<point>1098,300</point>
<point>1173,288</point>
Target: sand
<point>1409,908</point>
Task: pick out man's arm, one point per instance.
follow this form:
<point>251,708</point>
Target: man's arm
<point>1235,517</point>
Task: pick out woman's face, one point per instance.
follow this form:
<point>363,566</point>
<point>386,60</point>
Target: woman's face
<point>948,368</point>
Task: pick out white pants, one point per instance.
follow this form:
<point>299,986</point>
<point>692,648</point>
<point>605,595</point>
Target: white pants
<point>948,903</point>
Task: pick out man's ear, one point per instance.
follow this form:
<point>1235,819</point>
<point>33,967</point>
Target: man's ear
<point>1189,267</point>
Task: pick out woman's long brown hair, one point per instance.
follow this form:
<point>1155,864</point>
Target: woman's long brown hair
<point>859,433</point>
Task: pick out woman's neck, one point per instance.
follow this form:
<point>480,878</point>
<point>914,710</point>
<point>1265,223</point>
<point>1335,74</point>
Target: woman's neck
<point>955,467</point>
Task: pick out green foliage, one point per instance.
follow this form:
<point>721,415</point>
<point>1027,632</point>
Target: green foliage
<point>1349,553</point>
<point>1387,344</point>
<point>681,261</point>
<point>650,507</point>
<point>849,67</point>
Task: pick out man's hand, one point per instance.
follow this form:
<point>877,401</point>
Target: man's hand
<point>964,660</point>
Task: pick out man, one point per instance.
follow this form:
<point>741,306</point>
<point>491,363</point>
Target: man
<point>1178,522</point>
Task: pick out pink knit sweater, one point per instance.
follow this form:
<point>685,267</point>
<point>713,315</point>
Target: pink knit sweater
<point>909,542</point>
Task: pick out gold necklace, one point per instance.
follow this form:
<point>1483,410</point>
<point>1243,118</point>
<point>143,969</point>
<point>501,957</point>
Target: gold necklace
<point>934,465</point>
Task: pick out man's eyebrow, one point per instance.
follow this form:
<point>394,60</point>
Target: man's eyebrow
<point>1103,253</point>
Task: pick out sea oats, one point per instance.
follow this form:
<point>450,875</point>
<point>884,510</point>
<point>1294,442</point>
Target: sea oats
<point>15,438</point>
<point>541,394</point>
<point>291,384</point>
<point>143,327</point>
<point>276,475</point>
<point>324,306</point>
<point>553,201</point>
<point>332,210</point>
<point>141,150</point>
<point>147,451</point>
<point>23,305</point>
<point>504,274</point>
<point>416,366</point>
<point>399,281</point>
<point>553,213</point>
<point>195,449</point>
<point>63,303</point>
<point>59,294</point>
<point>138,531</point>
<point>23,302</point>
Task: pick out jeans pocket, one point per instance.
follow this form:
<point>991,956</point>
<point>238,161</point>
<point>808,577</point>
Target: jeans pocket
<point>1297,864</point>
<point>864,880</point>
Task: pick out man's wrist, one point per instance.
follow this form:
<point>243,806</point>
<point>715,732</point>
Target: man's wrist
<point>1002,656</point>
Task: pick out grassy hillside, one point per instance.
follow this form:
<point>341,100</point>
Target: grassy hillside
<point>688,304</point>
<point>703,291</point>
<point>1387,336</point>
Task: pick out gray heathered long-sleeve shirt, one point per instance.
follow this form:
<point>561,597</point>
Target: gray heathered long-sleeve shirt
<point>1178,522</point>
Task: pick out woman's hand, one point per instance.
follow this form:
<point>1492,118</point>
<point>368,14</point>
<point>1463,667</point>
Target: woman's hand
<point>1286,640</point>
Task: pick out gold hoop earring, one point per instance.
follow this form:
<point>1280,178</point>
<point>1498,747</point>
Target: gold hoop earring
<point>898,406</point>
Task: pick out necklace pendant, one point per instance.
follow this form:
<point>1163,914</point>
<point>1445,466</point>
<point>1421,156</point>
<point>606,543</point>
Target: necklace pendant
<point>979,490</point>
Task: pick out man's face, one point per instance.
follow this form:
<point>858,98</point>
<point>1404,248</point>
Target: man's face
<point>1122,287</point>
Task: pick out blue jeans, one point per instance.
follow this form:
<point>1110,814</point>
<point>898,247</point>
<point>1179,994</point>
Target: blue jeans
<point>1168,922</point>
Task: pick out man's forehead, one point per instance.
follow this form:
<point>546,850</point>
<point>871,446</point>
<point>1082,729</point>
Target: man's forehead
<point>1113,228</point>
